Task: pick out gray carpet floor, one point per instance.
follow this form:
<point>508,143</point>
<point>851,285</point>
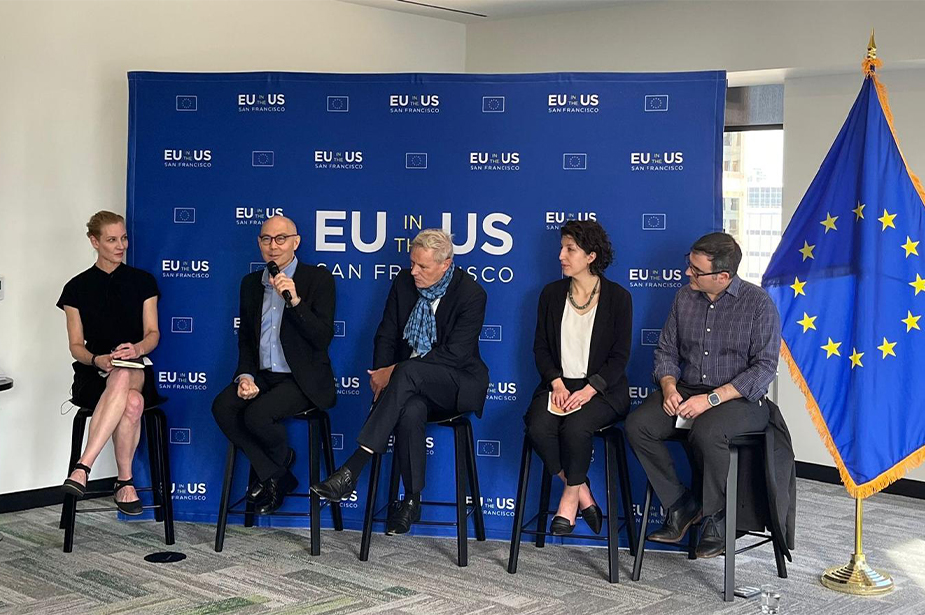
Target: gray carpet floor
<point>269,570</point>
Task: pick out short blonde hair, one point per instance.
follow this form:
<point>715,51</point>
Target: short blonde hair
<point>437,240</point>
<point>101,219</point>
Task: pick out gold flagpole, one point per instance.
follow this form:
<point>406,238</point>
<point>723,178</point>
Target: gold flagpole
<point>857,577</point>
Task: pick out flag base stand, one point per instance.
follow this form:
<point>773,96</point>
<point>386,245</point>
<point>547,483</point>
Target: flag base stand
<point>857,577</point>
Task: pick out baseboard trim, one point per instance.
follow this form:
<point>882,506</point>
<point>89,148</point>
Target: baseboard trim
<point>827,474</point>
<point>47,496</point>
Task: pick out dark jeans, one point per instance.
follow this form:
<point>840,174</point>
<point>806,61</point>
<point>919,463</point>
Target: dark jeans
<point>566,442</point>
<point>417,393</point>
<point>255,425</point>
<point>648,426</point>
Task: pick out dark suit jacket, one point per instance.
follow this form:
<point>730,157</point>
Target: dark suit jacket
<point>460,315</point>
<point>775,475</point>
<point>611,338</point>
<point>305,332</point>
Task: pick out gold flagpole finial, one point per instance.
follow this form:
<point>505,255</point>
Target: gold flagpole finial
<point>871,47</point>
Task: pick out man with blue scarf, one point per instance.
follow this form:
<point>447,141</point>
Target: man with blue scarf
<point>426,367</point>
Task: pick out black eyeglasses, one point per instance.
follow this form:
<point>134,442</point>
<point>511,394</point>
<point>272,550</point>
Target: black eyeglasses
<point>697,273</point>
<point>279,239</point>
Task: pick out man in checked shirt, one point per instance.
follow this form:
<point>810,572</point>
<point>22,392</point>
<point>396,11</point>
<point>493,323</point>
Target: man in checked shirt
<point>716,356</point>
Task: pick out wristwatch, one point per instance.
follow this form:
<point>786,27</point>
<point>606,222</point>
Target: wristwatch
<point>714,399</point>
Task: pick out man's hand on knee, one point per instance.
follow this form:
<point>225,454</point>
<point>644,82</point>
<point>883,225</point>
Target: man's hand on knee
<point>247,388</point>
<point>379,379</point>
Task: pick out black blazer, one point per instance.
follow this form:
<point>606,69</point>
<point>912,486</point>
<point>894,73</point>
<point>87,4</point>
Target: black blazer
<point>611,338</point>
<point>305,332</point>
<point>459,315</point>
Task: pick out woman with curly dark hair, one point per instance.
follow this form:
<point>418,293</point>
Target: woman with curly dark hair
<point>581,346</point>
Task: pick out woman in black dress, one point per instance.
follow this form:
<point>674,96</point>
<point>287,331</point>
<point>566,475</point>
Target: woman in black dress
<point>111,311</point>
<point>581,346</point>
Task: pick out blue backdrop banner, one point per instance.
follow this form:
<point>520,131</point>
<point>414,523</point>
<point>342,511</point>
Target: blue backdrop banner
<point>362,163</point>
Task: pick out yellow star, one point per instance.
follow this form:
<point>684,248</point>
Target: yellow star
<point>829,222</point>
<point>886,348</point>
<point>856,358</point>
<point>797,287</point>
<point>918,284</point>
<point>831,348</point>
<point>912,322</point>
<point>807,250</point>
<point>887,220</point>
<point>910,247</point>
<point>808,322</point>
<point>859,211</point>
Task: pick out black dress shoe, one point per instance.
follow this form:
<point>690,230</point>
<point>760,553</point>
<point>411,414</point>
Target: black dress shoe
<point>256,492</point>
<point>594,517</point>
<point>561,526</point>
<point>678,520</point>
<point>276,491</point>
<point>712,536</point>
<point>592,514</point>
<point>403,515</point>
<point>337,486</point>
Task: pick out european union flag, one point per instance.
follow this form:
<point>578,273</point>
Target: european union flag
<point>847,279</point>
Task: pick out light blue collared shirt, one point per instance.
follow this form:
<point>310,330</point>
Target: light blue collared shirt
<point>271,351</point>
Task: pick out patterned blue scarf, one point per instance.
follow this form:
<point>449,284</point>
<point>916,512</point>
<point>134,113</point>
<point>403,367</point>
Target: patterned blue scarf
<point>421,330</point>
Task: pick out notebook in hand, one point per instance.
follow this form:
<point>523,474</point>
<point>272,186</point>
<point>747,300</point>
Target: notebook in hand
<point>139,363</point>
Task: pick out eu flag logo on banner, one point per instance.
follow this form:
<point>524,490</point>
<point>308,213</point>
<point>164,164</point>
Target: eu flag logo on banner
<point>847,279</point>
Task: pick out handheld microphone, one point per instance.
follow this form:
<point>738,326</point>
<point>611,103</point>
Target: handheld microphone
<point>273,270</point>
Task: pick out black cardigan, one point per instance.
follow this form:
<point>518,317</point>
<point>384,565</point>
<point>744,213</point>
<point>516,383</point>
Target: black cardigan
<point>611,339</point>
<point>305,331</point>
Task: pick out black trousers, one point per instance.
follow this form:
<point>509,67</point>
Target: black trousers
<point>566,442</point>
<point>255,425</point>
<point>648,426</point>
<point>417,393</point>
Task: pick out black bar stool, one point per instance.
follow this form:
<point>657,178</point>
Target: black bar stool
<point>615,472</point>
<point>756,440</point>
<point>154,423</point>
<point>319,437</point>
<point>466,472</point>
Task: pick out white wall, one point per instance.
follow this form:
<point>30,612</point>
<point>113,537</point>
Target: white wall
<point>63,122</point>
<point>814,48</point>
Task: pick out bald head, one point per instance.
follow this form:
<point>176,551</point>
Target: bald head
<point>278,241</point>
<point>276,225</point>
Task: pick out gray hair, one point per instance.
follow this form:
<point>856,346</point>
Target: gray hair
<point>437,240</point>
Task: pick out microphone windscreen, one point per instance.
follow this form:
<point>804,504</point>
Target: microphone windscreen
<point>273,268</point>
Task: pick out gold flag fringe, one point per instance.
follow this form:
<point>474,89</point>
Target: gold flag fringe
<point>854,490</point>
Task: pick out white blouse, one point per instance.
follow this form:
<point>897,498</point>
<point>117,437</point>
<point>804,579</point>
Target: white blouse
<point>576,341</point>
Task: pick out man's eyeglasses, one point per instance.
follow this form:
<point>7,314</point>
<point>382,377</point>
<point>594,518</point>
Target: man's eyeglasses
<point>697,273</point>
<point>279,239</point>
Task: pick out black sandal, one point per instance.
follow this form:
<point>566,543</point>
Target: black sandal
<point>132,508</point>
<point>72,487</point>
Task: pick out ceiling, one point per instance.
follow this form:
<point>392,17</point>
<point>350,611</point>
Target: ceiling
<point>474,11</point>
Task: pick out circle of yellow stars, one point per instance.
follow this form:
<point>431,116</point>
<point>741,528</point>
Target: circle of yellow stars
<point>832,347</point>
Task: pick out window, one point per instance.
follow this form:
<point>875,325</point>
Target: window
<point>753,163</point>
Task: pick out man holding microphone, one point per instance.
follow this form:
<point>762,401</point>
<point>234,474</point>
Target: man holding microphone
<point>286,326</point>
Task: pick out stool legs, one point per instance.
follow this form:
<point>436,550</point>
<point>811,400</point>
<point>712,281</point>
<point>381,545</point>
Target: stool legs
<point>520,505</point>
<point>150,421</point>
<point>314,471</point>
<point>70,502</point>
<point>374,467</point>
<point>643,530</point>
<point>226,497</point>
<point>164,473</point>
<point>732,482</point>
<point>626,492</point>
<point>474,489</point>
<point>327,444</point>
<point>613,536</point>
<point>462,520</point>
